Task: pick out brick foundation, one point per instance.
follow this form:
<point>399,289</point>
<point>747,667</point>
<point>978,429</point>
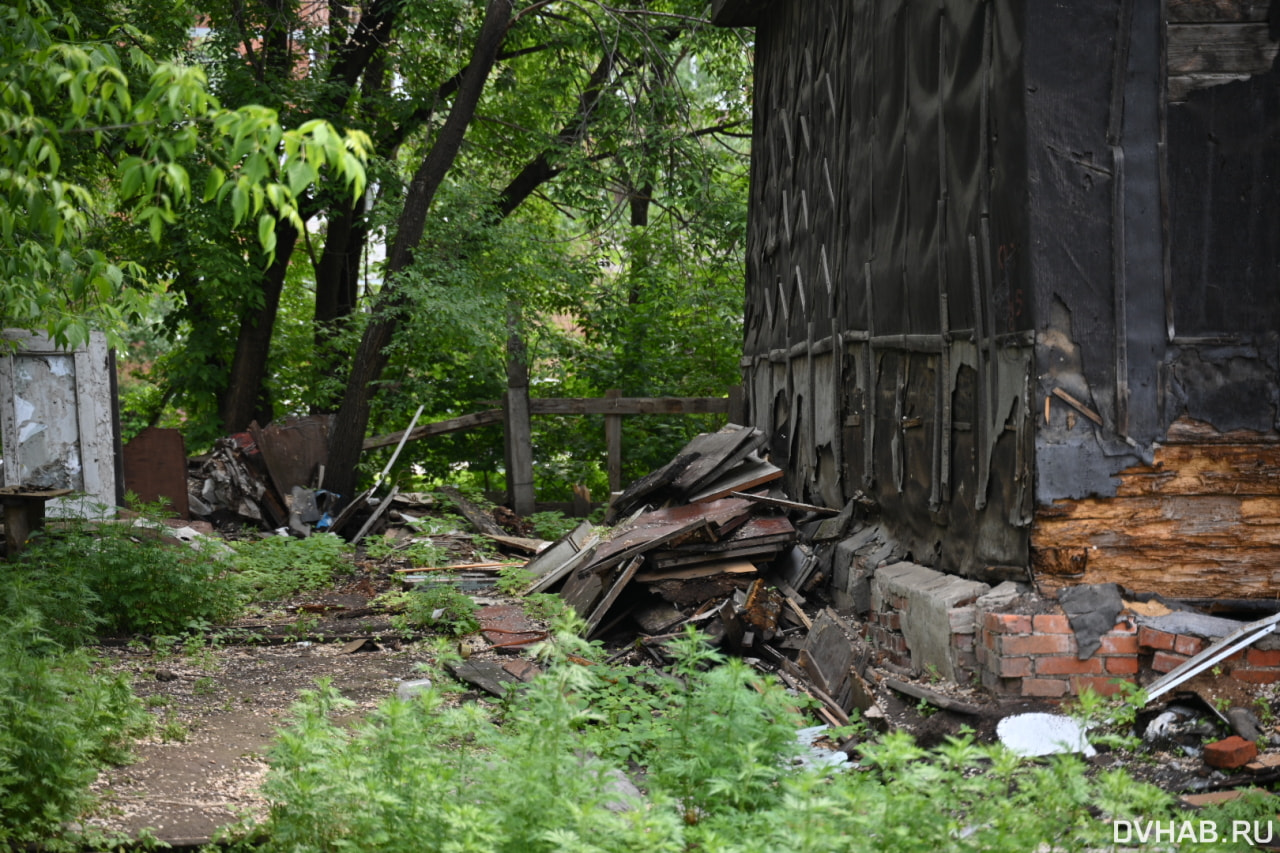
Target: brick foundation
<point>1015,654</point>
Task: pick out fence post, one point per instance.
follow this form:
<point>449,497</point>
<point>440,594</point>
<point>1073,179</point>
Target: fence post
<point>613,440</point>
<point>519,436</point>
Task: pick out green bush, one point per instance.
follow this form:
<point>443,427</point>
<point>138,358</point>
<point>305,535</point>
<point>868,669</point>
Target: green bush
<point>59,722</point>
<point>438,606</point>
<point>712,750</point>
<point>118,578</point>
<point>279,566</point>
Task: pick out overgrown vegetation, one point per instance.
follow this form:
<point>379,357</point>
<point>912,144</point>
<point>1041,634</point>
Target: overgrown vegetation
<point>710,751</point>
<point>86,578</point>
<point>279,566</point>
<point>440,607</point>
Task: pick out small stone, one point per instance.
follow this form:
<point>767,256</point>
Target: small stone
<point>166,675</point>
<point>1230,753</point>
<point>1244,723</point>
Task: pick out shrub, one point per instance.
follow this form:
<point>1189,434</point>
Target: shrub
<point>439,606</point>
<point>279,566</point>
<point>59,722</point>
<point>712,749</point>
<point>113,577</point>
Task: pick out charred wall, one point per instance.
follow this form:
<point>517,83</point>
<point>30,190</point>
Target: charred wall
<point>1154,163</point>
<point>1012,272</point>
<point>888,313</point>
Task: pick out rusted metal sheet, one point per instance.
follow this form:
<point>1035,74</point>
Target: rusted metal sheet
<point>293,450</point>
<point>155,468</point>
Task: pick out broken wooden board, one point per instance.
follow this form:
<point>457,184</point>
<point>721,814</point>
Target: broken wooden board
<point>489,675</point>
<point>635,495</point>
<point>564,548</point>
<point>520,543</point>
<point>658,617</point>
<point>556,573</point>
<point>611,595</point>
<point>832,654</point>
<point>783,503</point>
<point>687,593</point>
<point>720,567</point>
<point>933,697</point>
<point>752,472</point>
<point>479,519</point>
<point>718,453</point>
<point>645,533</point>
<point>761,534</point>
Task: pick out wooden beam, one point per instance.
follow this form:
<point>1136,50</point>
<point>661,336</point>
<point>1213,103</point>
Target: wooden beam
<point>475,419</point>
<point>629,405</point>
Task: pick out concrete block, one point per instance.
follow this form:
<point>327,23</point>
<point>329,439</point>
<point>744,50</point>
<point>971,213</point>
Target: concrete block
<point>926,623</point>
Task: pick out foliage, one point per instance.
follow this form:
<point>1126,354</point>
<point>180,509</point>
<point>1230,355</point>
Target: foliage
<point>279,566</point>
<point>113,577</point>
<point>712,748</point>
<point>59,722</point>
<point>85,143</point>
<point>513,579</point>
<point>1110,720</point>
<point>552,524</point>
<point>438,606</point>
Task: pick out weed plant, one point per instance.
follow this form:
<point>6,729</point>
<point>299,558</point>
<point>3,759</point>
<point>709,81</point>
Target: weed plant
<point>59,722</point>
<point>438,606</point>
<point>711,750</point>
<point>88,578</point>
<point>280,566</point>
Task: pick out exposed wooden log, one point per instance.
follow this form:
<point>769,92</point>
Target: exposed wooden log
<point>475,419</point>
<point>1220,49</point>
<point>1223,469</point>
<point>1216,11</point>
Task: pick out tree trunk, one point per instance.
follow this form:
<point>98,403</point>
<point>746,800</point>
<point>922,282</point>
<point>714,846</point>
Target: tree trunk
<point>243,401</point>
<point>352,420</point>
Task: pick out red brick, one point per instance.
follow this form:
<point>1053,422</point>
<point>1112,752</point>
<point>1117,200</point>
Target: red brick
<point>892,621</point>
<point>1166,661</point>
<point>1150,638</point>
<point>1014,667</point>
<point>1051,623</point>
<point>1047,687</point>
<point>1036,644</point>
<point>1067,665</point>
<point>1102,685</point>
<point>1262,657</point>
<point>964,642</point>
<point>1121,665</point>
<point>1008,623</point>
<point>1185,645</point>
<point>1230,753</point>
<point>1123,644</point>
<point>1256,676</point>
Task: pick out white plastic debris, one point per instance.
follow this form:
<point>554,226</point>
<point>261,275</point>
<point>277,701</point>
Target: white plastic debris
<point>814,755</point>
<point>1043,734</point>
<point>408,689</point>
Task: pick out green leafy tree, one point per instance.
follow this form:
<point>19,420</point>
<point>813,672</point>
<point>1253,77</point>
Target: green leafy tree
<point>94,132</point>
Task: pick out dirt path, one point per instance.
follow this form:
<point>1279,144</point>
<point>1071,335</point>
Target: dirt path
<point>217,711</point>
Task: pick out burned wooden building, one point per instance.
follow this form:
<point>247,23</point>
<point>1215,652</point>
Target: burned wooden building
<point>1012,272</point>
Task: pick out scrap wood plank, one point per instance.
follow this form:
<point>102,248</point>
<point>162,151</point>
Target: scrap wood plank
<point>718,453</point>
<point>761,554</point>
<point>784,503</point>
<point>475,419</point>
<point>720,567</point>
<point>479,519</point>
<point>933,697</point>
<point>550,559</point>
<point>611,595</point>
<point>636,494</point>
<point>752,472</point>
<point>645,533</point>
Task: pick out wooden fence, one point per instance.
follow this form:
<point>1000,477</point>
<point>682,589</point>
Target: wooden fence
<point>518,434</point>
